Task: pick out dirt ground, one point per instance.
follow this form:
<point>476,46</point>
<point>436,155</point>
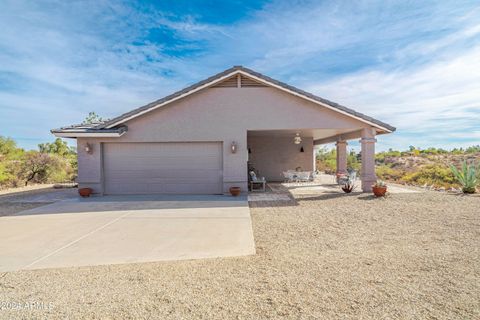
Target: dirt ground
<point>331,256</point>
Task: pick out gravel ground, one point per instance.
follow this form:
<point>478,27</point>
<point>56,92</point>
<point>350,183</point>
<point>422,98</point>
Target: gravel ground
<point>409,256</point>
<point>15,200</point>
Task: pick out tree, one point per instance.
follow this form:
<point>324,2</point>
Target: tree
<point>37,166</point>
<point>92,118</point>
<point>58,147</point>
<point>9,149</point>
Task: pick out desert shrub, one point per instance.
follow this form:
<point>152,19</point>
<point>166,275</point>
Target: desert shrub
<point>385,172</point>
<point>38,167</point>
<point>327,160</point>
<point>67,158</point>
<point>438,175</point>
<point>5,175</point>
<point>353,162</point>
<point>473,149</point>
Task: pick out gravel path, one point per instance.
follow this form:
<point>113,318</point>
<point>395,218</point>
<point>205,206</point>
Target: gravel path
<point>409,256</point>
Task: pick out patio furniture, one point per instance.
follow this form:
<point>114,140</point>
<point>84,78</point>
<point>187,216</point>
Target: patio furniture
<point>288,176</point>
<point>297,176</point>
<point>255,181</point>
<point>342,178</point>
<point>352,174</point>
<point>303,176</point>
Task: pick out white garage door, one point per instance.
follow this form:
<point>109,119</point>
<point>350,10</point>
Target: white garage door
<point>169,168</point>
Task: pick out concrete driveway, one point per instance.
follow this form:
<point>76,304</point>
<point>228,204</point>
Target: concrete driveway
<point>125,229</point>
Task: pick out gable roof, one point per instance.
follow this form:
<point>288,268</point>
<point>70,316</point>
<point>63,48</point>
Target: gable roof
<point>211,81</point>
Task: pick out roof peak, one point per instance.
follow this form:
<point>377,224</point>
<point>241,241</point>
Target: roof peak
<point>256,75</point>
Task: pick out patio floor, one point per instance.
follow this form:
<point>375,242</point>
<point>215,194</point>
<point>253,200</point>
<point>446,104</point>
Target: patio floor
<point>323,184</point>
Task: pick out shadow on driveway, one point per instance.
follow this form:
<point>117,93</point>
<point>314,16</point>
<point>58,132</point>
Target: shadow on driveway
<point>137,203</point>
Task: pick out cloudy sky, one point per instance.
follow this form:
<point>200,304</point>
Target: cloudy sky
<point>412,64</point>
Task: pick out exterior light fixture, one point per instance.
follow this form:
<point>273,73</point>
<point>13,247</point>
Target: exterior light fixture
<point>301,149</point>
<point>88,148</point>
<point>233,147</point>
<point>297,139</point>
<point>249,150</point>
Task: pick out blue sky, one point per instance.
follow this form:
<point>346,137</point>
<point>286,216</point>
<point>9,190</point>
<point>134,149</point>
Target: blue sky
<point>413,64</point>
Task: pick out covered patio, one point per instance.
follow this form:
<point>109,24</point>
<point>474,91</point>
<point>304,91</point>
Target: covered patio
<point>323,187</point>
<point>272,152</point>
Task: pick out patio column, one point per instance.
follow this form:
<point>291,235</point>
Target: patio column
<point>368,159</point>
<point>341,156</point>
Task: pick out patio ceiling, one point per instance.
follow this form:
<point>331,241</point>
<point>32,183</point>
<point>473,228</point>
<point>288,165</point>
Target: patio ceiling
<point>316,134</point>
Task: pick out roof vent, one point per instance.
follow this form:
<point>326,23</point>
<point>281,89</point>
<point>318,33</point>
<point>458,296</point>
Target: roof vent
<point>232,82</point>
<point>249,82</point>
<point>227,83</point>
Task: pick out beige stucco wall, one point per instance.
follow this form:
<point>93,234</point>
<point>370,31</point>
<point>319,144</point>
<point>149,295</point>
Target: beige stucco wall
<point>219,114</point>
<point>273,155</point>
<point>89,165</point>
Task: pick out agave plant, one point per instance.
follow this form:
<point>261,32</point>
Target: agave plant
<point>348,186</point>
<point>467,176</point>
<point>380,184</point>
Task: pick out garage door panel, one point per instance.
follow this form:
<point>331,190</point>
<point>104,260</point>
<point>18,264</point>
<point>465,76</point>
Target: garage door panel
<point>170,168</point>
<point>166,188</point>
<point>165,173</point>
<point>155,163</point>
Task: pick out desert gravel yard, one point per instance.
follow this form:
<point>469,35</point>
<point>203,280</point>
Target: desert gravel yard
<point>15,200</point>
<point>410,256</point>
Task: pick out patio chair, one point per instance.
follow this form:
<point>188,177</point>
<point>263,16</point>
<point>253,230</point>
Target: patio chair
<point>352,174</point>
<point>303,176</point>
<point>288,176</point>
<point>255,181</point>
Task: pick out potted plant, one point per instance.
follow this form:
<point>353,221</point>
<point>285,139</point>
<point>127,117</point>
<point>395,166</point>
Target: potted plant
<point>85,192</point>
<point>467,177</point>
<point>235,191</point>
<point>379,188</point>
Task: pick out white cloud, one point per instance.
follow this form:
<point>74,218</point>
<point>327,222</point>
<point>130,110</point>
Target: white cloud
<point>443,96</point>
<point>416,67</point>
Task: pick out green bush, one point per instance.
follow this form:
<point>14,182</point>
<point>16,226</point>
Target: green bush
<point>435,174</point>
<point>385,172</point>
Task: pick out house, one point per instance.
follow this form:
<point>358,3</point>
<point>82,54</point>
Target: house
<point>200,139</point>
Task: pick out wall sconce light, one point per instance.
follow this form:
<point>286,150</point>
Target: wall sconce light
<point>88,148</point>
<point>297,139</point>
<point>301,149</point>
<point>249,150</point>
<point>233,147</point>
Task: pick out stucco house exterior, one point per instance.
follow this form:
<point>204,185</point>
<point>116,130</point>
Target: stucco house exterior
<point>200,140</point>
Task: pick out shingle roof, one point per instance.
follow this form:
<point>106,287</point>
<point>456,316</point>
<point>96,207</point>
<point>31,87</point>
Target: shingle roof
<point>229,72</point>
<point>88,128</point>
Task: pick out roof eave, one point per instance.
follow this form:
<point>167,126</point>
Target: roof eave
<point>89,133</point>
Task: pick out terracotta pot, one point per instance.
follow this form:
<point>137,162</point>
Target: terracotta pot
<point>85,192</point>
<point>235,191</point>
<point>379,191</point>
